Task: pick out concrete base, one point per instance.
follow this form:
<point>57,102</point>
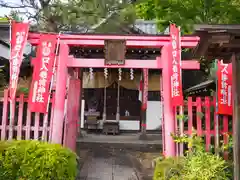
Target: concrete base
<point>143,137</point>
<point>80,135</point>
<point>153,143</point>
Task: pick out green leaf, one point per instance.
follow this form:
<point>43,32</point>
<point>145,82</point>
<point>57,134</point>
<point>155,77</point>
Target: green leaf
<point>189,12</point>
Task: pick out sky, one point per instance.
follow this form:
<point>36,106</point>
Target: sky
<point>6,11</point>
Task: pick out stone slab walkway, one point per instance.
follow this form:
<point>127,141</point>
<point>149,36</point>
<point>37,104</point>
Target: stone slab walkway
<point>108,164</point>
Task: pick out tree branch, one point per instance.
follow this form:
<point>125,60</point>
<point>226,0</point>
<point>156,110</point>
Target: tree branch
<point>14,6</point>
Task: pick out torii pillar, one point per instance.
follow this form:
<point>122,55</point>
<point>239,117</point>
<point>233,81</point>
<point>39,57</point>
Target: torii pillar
<point>168,112</point>
<point>61,83</point>
<point>168,115</point>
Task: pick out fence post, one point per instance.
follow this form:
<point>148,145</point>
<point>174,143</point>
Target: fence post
<point>28,124</point>
<point>51,118</point>
<point>20,116</point>
<point>199,116</point>
<point>36,126</point>
<point>4,115</point>
<point>216,127</point>
<point>225,134</point>
<point>12,119</point>
<point>208,124</point>
<point>190,116</point>
<point>181,128</point>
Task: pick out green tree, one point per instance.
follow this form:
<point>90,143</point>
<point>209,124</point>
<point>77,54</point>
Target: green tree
<point>15,15</point>
<point>186,13</point>
<point>74,15</point>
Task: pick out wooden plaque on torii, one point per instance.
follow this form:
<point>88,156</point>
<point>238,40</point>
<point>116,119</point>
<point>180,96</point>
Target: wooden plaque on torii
<point>115,51</point>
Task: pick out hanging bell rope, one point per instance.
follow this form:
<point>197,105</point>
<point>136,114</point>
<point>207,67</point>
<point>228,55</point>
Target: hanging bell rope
<point>105,95</point>
<point>105,73</point>
<point>131,74</point>
<point>119,74</point>
<point>91,73</point>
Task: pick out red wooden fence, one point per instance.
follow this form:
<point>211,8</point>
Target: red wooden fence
<point>27,125</point>
<point>200,114</point>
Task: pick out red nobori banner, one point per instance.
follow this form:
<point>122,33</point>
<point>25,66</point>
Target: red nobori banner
<point>224,88</point>
<point>175,66</point>
<point>145,89</point>
<point>42,75</point>
<point>19,35</point>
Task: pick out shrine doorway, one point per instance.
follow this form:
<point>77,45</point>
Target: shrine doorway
<point>123,95</point>
<point>117,97</point>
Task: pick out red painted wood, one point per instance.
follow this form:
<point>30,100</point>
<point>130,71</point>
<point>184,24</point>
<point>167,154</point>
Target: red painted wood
<point>207,121</point>
<point>127,37</point>
<point>28,125</point>
<point>216,127</point>
<point>190,116</point>
<point>70,135</point>
<point>181,129</point>
<point>58,117</point>
<point>199,116</point>
<point>225,133</point>
<point>20,117</point>
<point>12,118</point>
<point>129,63</point>
<point>168,108</point>
<point>20,127</point>
<point>4,115</point>
<point>176,121</point>
<point>154,63</point>
<point>208,132</point>
<point>129,43</point>
<point>36,126</point>
<point>133,41</point>
<point>51,118</point>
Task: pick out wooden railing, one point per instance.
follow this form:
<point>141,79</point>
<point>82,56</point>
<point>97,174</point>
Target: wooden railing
<point>27,125</point>
<point>199,115</point>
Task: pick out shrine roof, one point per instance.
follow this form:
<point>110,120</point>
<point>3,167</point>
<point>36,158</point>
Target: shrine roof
<point>199,86</point>
<point>201,89</point>
<point>217,41</point>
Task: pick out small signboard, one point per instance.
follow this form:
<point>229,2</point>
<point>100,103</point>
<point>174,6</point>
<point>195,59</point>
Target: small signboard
<point>115,51</point>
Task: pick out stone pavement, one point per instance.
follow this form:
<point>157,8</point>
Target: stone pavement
<point>108,164</point>
<point>123,141</point>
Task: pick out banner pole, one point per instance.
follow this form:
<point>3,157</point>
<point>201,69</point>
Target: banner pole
<point>181,123</point>
<point>216,104</point>
<point>11,120</point>
<point>45,120</point>
<point>162,106</point>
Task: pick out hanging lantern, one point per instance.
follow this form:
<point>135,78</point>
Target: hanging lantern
<point>105,73</point>
<point>91,73</point>
<point>119,74</point>
<point>131,74</point>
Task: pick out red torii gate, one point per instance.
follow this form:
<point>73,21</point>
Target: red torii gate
<point>65,61</point>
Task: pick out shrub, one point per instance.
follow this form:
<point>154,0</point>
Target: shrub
<point>204,166</point>
<point>167,168</point>
<point>197,164</point>
<point>32,160</point>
